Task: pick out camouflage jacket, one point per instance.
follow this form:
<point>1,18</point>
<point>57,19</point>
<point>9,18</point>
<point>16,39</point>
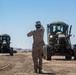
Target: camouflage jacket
<point>37,37</point>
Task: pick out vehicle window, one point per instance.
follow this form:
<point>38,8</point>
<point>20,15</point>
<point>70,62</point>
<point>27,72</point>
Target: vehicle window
<point>54,28</point>
<point>0,38</point>
<point>57,27</point>
<point>4,38</point>
<point>8,38</point>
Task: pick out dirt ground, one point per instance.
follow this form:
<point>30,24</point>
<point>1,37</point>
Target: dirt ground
<point>22,64</point>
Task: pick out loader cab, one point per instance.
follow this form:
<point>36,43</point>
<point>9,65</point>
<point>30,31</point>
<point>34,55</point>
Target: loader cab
<point>56,28</point>
<point>53,28</point>
<point>5,40</point>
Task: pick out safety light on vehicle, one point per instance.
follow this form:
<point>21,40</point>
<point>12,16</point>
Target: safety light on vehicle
<point>73,35</point>
<point>51,36</point>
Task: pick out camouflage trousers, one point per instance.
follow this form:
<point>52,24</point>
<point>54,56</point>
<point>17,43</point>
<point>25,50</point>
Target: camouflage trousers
<point>37,57</point>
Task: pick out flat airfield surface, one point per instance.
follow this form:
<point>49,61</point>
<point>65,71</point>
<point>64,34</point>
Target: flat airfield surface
<point>21,64</point>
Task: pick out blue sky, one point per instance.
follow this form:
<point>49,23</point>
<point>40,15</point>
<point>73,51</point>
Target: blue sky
<point>18,17</point>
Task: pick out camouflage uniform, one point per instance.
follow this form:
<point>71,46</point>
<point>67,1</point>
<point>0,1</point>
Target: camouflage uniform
<point>37,49</point>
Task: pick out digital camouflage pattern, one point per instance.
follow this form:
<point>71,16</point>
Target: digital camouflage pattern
<point>37,49</point>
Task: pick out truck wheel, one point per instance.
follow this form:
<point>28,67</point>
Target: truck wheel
<point>74,52</point>
<point>11,51</point>
<point>48,53</point>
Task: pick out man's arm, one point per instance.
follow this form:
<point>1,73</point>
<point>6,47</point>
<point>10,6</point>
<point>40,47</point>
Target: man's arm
<point>30,34</point>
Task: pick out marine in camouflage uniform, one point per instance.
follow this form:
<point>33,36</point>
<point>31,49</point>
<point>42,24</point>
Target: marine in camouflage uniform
<point>37,49</point>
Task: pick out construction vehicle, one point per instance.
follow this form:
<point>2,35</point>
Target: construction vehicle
<point>59,43</point>
<point>5,44</point>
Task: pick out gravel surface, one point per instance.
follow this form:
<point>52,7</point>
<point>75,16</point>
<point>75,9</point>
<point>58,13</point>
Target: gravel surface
<point>22,64</point>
